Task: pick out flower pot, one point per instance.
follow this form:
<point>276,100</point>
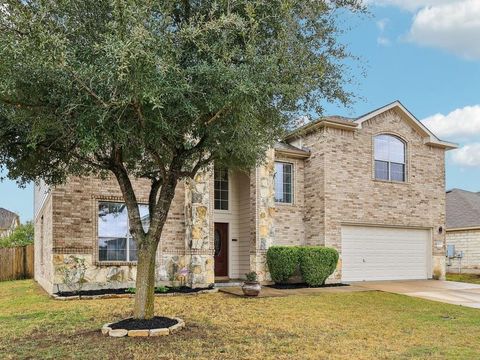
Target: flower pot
<point>251,288</point>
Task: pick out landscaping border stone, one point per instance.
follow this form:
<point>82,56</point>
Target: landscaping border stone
<point>122,296</point>
<point>108,331</point>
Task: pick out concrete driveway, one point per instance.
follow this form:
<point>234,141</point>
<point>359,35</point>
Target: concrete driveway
<point>449,292</point>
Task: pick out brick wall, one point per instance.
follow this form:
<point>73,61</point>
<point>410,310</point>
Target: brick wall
<point>75,208</point>
<point>43,241</point>
<point>467,241</point>
<point>351,195</point>
<point>289,218</point>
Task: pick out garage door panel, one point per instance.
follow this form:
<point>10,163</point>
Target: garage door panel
<point>379,253</point>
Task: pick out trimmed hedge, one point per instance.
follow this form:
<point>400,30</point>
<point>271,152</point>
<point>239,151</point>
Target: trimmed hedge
<point>316,263</point>
<point>282,262</point>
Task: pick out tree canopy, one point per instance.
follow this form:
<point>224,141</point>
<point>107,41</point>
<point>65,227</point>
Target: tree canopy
<point>159,89</point>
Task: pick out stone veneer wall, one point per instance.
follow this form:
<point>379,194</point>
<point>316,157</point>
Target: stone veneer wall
<point>263,214</point>
<point>198,220</point>
<point>352,195</point>
<point>73,211</point>
<point>467,241</point>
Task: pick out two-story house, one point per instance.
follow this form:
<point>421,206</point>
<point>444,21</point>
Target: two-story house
<point>372,187</point>
<point>9,221</point>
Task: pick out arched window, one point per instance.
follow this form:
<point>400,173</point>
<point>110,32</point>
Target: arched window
<point>389,158</point>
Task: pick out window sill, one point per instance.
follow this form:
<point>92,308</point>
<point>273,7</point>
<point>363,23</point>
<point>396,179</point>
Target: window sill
<point>222,211</point>
<point>391,181</point>
<point>284,204</point>
<point>115,263</point>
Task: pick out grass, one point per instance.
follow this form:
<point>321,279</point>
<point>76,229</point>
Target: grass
<point>468,278</point>
<point>361,325</point>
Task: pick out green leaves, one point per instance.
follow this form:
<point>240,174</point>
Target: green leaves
<point>79,78</point>
<point>21,236</point>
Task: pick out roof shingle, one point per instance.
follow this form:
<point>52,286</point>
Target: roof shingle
<point>463,209</point>
<point>6,218</point>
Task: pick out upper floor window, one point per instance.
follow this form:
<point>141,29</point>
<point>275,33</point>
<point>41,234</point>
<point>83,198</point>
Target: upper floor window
<point>389,158</point>
<point>221,189</point>
<point>283,182</point>
<point>115,243</point>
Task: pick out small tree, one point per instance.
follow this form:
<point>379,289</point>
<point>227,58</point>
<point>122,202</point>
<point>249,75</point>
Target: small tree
<point>158,90</point>
<point>21,236</point>
<point>73,273</point>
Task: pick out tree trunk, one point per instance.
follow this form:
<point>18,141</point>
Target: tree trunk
<point>145,283</point>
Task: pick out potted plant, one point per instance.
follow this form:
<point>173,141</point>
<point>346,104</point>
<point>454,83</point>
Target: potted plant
<point>251,287</point>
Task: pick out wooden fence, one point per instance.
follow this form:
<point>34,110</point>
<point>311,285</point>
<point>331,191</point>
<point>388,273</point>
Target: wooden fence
<point>16,263</point>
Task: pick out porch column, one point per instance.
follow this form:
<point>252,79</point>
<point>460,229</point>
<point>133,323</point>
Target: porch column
<point>198,229</point>
<point>262,192</point>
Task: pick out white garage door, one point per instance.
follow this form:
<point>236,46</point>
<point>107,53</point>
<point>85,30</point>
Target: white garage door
<point>378,253</point>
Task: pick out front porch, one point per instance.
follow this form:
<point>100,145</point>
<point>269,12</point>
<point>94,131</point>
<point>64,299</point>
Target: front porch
<point>229,222</point>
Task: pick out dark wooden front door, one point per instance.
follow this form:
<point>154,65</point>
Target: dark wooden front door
<point>221,249</point>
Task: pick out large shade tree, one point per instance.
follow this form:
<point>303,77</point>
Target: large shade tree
<point>158,90</point>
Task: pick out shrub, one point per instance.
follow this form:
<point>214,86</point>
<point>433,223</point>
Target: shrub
<point>317,263</point>
<point>21,236</point>
<point>73,273</point>
<point>161,289</point>
<point>251,276</point>
<point>282,262</point>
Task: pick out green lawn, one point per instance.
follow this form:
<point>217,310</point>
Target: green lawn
<point>468,278</point>
<point>362,325</point>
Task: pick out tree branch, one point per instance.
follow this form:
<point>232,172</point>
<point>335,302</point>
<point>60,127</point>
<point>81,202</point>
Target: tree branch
<point>118,169</point>
<point>152,199</point>
<point>88,89</point>
<point>196,168</point>
<point>219,113</point>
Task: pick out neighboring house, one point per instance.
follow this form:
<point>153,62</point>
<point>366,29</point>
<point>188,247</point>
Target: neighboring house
<point>8,222</point>
<point>463,230</point>
<point>372,187</point>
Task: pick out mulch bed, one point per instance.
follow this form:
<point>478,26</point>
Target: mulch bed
<point>100,292</point>
<point>303,286</point>
<point>158,322</point>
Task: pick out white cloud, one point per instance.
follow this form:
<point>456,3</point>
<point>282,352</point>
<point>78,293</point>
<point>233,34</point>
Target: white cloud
<point>467,156</point>
<point>410,5</point>
<point>453,26</point>
<point>384,41</point>
<point>460,124</point>
<point>382,24</point>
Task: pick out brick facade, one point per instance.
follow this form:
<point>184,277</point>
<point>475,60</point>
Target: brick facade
<point>334,185</point>
<point>467,241</point>
<point>340,187</point>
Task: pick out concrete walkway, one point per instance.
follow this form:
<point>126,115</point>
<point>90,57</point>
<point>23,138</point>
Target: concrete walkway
<point>271,292</point>
<point>449,292</point>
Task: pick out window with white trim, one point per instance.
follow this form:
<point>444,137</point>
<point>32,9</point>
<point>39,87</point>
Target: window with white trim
<point>221,189</point>
<point>389,158</point>
<point>115,243</point>
<point>283,182</point>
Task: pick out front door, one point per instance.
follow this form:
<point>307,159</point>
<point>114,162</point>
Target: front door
<point>221,249</point>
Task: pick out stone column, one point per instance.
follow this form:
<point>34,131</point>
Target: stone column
<point>262,194</point>
<point>198,225</point>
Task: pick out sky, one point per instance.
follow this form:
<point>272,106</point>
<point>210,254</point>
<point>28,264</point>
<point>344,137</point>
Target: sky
<point>425,53</point>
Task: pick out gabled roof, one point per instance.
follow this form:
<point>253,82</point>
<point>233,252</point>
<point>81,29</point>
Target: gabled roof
<point>356,123</point>
<point>431,139</point>
<point>332,121</point>
<point>463,209</point>
<point>6,218</point>
<point>290,150</point>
